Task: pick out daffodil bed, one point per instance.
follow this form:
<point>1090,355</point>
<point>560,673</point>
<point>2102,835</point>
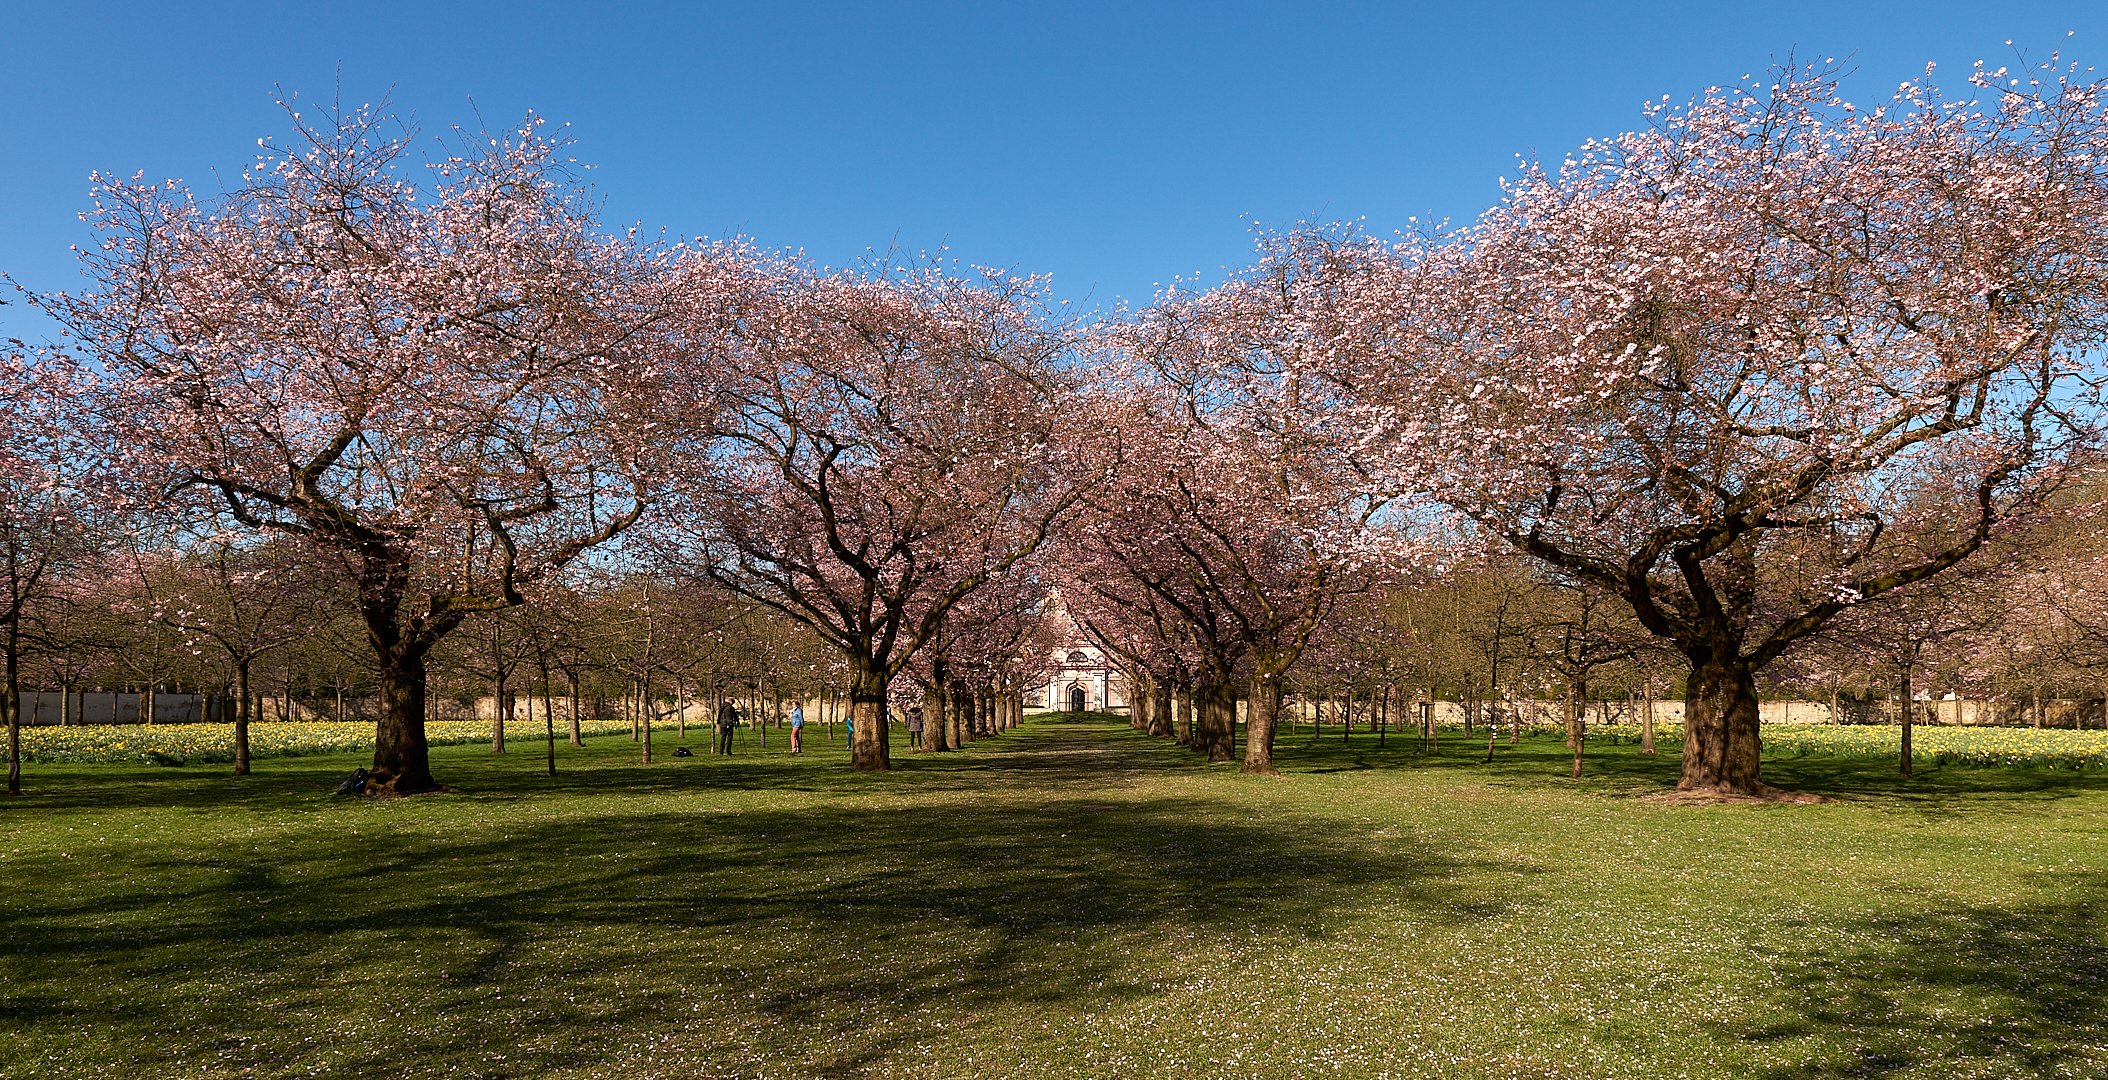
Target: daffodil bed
<point>2048,748</point>
<point>179,744</point>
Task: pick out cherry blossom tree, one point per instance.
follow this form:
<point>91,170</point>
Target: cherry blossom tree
<point>441,379</point>
<point>993,642</point>
<point>1127,581</point>
<point>1713,366</point>
<point>866,450</point>
<point>53,507</point>
<point>1241,483</point>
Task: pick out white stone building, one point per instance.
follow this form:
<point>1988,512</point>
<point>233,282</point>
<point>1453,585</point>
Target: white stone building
<point>1082,681</point>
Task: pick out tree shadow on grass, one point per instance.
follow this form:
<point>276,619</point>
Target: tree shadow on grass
<point>1988,991</point>
<point>1619,769</point>
<point>594,924</point>
<point>1087,748</point>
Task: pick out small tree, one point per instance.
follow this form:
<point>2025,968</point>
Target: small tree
<point>241,603</point>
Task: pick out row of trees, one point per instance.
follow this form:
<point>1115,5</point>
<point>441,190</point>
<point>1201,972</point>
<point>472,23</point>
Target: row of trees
<point>1764,374</point>
<point>1751,386</point>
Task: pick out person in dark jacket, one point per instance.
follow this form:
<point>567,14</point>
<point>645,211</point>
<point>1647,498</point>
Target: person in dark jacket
<point>727,723</point>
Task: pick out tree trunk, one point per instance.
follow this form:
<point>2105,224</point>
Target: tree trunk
<point>958,712</point>
<point>1721,743</point>
<point>867,709</point>
<point>1647,722</point>
<point>401,759</point>
<point>1263,717</point>
<point>241,719</point>
<point>1380,714</point>
<point>935,738</point>
<point>549,715</point>
<point>12,705</point>
<point>1162,722</point>
<point>1214,729</point>
<point>1576,723</point>
<point>646,713</point>
<point>1910,710</point>
<point>499,714</point>
<point>1182,706</point>
<point>577,702</point>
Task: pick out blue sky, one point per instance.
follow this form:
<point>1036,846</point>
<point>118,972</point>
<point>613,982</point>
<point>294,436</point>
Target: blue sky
<point>1113,146</point>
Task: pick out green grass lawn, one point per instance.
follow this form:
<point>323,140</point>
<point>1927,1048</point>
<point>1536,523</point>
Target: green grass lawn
<point>1069,899</point>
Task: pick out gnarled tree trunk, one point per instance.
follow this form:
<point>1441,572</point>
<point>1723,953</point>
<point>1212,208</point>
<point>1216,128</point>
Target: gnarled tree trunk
<point>1161,720</point>
<point>401,760</point>
<point>1261,721</point>
<point>867,710</point>
<point>935,736</point>
<point>1215,722</point>
<point>1721,744</point>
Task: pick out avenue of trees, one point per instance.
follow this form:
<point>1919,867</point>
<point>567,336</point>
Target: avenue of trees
<point>1776,394</point>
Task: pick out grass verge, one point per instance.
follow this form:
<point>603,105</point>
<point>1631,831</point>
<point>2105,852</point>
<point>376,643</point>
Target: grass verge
<point>1067,899</point>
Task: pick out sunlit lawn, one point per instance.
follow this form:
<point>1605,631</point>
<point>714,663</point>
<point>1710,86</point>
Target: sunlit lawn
<point>1068,899</point>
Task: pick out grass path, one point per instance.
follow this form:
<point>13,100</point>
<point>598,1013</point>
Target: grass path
<point>1069,899</point>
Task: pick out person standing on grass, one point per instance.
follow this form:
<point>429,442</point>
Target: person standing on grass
<point>727,723</point>
<point>915,725</point>
<point>797,728</point>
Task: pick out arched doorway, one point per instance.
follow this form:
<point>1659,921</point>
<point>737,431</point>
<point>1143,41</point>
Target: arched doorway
<point>1077,700</point>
